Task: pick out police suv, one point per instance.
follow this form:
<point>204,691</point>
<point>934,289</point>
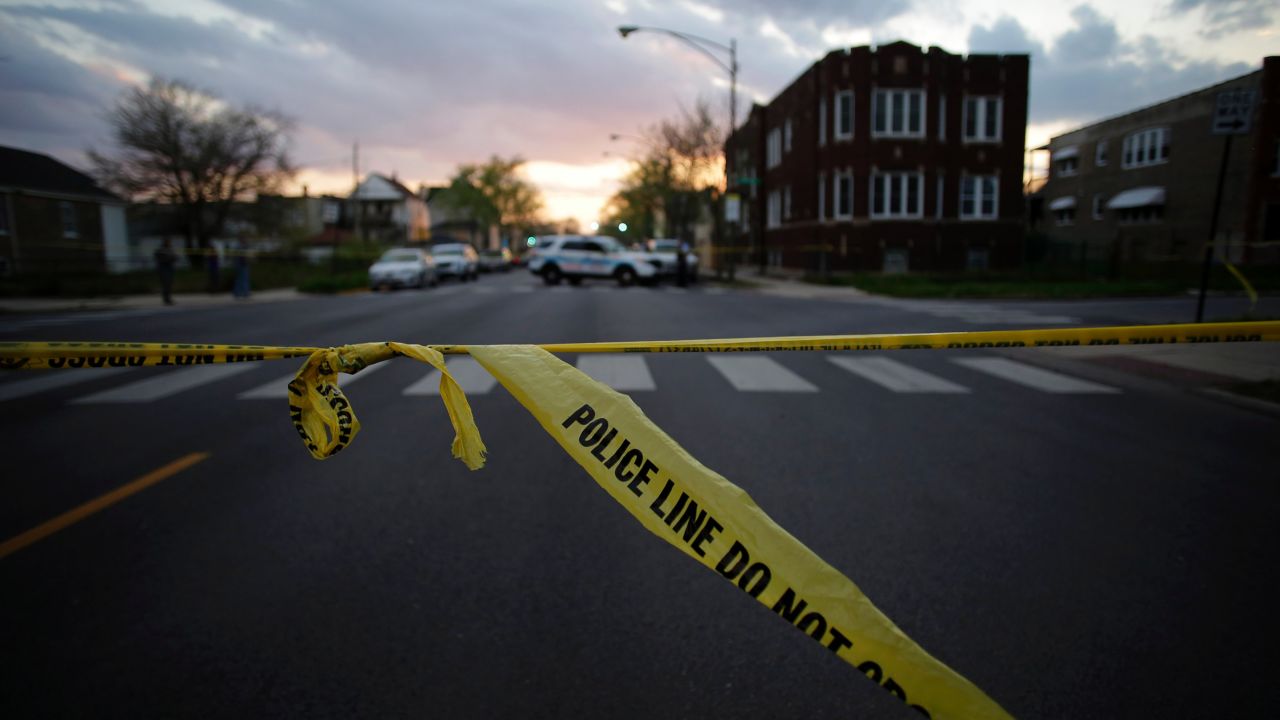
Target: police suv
<point>574,257</point>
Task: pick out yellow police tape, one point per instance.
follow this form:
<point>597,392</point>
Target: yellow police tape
<point>671,494</point>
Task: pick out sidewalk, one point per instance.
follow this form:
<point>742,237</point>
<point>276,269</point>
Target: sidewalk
<point>135,302</point>
<point>786,287</point>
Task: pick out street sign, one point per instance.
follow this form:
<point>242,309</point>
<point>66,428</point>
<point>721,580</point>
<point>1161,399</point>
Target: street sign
<point>732,207</point>
<point>747,180</point>
<point>1234,112</point>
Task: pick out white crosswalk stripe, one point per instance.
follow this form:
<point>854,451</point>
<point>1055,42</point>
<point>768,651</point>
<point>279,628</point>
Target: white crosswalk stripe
<point>896,376</point>
<point>473,378</point>
<point>1033,377</point>
<point>625,373</point>
<point>759,374</point>
<point>278,389</point>
<point>168,382</point>
<point>53,379</point>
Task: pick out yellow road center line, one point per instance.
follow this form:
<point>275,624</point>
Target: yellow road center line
<point>71,517</point>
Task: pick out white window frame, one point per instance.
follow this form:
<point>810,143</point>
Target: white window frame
<point>1060,169</point>
<point>1065,217</point>
<point>1145,143</point>
<point>773,149</point>
<point>1099,206</point>
<point>980,106</point>
<point>786,136</point>
<point>836,197</point>
<point>1100,154</point>
<point>836,132</point>
<point>975,185</point>
<point>67,219</point>
<point>786,203</point>
<point>895,182</point>
<point>773,209</point>
<point>891,97</point>
<point>939,195</point>
<point>822,122</point>
<point>822,196</point>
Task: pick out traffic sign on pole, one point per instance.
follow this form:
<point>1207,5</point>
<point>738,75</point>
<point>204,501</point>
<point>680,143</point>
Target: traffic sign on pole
<point>1233,114</point>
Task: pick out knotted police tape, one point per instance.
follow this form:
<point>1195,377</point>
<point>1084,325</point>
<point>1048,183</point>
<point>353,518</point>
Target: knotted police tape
<point>670,493</point>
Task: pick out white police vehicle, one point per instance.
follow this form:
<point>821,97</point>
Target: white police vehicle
<point>574,257</point>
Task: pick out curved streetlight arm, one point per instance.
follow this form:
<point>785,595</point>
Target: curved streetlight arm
<point>696,42</point>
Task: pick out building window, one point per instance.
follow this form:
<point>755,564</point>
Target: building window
<point>842,191</point>
<point>979,259</point>
<point>822,122</point>
<point>1140,215</point>
<point>786,203</point>
<point>67,215</point>
<point>786,136</point>
<point>978,197</point>
<point>773,210</point>
<point>1064,217</point>
<point>982,119</point>
<point>773,149</point>
<point>1100,154</point>
<point>4,214</point>
<point>1099,206</point>
<point>1146,147</point>
<point>898,113</point>
<point>844,115</point>
<point>896,195</point>
<point>822,196</point>
<point>942,117</point>
<point>1067,166</point>
<point>937,202</point>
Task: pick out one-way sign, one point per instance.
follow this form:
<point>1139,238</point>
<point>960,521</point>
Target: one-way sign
<point>1234,113</point>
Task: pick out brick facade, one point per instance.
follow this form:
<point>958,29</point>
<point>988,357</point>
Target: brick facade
<point>906,135</point>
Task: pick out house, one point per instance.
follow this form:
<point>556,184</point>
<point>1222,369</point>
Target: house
<point>455,223</point>
<point>54,218</point>
<point>386,211</point>
<point>1140,187</point>
<point>888,158</point>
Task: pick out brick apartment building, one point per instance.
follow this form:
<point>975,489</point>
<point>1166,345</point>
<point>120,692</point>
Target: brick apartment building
<point>890,158</point>
<point>1140,187</point>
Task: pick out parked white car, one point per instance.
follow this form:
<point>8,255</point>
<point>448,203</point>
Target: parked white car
<point>665,256</point>
<point>403,267</point>
<point>457,260</point>
<point>574,257</point>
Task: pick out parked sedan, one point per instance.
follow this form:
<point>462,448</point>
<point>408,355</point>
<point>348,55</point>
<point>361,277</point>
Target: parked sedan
<point>403,267</point>
<point>456,260</point>
<point>495,260</point>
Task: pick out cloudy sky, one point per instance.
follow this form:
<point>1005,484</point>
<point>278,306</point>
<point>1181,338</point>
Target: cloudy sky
<point>424,85</point>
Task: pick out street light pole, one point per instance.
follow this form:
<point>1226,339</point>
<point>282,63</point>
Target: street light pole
<point>701,44</point>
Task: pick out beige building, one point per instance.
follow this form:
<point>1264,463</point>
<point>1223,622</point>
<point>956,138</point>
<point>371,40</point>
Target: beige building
<point>1140,187</point>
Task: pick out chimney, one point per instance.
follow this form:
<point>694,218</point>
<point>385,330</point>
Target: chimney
<point>304,191</point>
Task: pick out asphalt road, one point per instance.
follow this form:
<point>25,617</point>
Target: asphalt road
<point>1083,544</point>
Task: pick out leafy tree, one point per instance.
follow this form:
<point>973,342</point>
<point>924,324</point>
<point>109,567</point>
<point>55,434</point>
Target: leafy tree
<point>494,193</point>
<point>181,145</point>
<point>670,185</point>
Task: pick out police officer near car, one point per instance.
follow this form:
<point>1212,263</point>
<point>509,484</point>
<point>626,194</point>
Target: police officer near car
<point>682,264</point>
<point>166,259</point>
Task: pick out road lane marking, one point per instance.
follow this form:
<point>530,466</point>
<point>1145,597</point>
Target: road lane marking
<point>98,504</point>
<point>279,389</point>
<point>473,379</point>
<point>895,376</point>
<point>620,372</point>
<point>169,382</point>
<point>759,374</point>
<point>52,380</point>
<point>1033,377</point>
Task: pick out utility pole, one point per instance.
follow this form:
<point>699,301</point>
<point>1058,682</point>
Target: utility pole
<point>1233,115</point>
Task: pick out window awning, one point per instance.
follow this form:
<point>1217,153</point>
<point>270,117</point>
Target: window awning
<point>1137,197</point>
<point>1063,203</point>
<point>1065,153</point>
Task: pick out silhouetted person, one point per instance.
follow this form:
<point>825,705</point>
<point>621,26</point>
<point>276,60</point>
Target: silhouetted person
<point>241,263</point>
<point>166,259</point>
<point>682,264</point>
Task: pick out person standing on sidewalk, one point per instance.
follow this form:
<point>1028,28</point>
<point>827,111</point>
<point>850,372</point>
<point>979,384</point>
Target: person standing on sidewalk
<point>241,287</point>
<point>166,259</point>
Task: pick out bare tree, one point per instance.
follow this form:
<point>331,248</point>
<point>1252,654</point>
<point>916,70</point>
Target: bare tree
<point>181,145</point>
